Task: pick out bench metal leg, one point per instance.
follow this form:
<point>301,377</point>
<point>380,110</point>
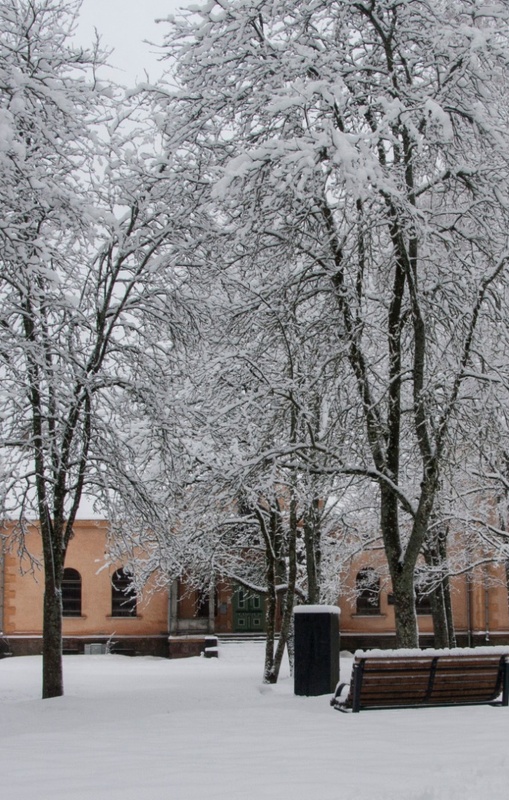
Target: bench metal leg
<point>357,671</point>
<point>505,683</point>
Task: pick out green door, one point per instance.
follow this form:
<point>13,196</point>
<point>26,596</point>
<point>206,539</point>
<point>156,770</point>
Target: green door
<point>248,611</point>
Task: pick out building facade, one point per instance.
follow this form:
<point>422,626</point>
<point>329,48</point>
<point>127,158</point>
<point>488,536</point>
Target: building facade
<point>100,613</point>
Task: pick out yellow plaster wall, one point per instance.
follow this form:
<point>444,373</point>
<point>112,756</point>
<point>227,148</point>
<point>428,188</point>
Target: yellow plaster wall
<point>86,553</point>
<point>479,606</point>
<point>479,601</point>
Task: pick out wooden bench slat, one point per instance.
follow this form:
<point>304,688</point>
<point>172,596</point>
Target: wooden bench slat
<point>397,665</point>
<point>396,691</point>
<point>395,686</point>
<point>450,684</point>
<point>465,690</point>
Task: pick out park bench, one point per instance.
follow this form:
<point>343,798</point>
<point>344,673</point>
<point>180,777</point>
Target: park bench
<point>441,678</point>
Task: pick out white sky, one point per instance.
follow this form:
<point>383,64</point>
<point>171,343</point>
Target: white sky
<point>124,25</point>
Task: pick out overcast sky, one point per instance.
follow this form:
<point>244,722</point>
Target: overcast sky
<point>123,25</point>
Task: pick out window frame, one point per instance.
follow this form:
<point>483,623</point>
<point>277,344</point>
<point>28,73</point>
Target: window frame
<point>124,601</point>
<point>71,593</point>
<point>423,601</point>
<point>367,602</point>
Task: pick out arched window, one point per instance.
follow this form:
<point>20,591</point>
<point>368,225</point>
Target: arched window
<point>71,593</point>
<point>201,603</point>
<point>423,597</point>
<point>367,584</point>
<point>123,595</point>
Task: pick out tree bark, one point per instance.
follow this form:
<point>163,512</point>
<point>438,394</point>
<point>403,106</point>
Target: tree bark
<point>439,614</point>
<point>270,614</point>
<point>404,605</point>
<point>401,570</point>
<point>287,619</point>
<point>52,669</point>
<point>435,554</point>
<point>312,536</point>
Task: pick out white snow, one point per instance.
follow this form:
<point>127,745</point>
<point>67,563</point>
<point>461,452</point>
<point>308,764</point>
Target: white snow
<point>152,729</point>
<point>429,652</point>
<point>318,609</point>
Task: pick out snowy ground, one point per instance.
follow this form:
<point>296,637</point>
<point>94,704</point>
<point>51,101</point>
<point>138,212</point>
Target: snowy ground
<point>152,729</point>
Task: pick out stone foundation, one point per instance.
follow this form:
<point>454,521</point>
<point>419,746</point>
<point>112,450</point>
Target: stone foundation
<point>73,645</point>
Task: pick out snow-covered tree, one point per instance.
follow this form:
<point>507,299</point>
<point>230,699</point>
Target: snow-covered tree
<point>87,300</point>
<point>256,500</point>
<point>366,144</point>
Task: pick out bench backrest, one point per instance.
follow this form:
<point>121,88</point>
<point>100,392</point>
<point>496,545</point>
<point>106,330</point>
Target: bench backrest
<point>379,682</point>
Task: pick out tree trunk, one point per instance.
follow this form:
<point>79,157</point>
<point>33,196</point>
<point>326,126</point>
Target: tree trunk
<point>401,568</point>
<point>312,538</point>
<point>438,612</point>
<point>435,555</point>
<point>270,616</point>
<point>448,611</point>
<point>54,555</point>
<point>52,671</point>
<point>287,620</point>
<point>271,533</point>
<point>211,622</point>
<point>284,635</point>
<point>404,609</point>
<point>441,610</point>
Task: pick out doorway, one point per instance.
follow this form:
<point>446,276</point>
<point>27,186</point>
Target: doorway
<point>248,611</point>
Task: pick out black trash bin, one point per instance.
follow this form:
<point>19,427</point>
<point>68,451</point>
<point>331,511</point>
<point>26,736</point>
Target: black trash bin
<point>316,667</point>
